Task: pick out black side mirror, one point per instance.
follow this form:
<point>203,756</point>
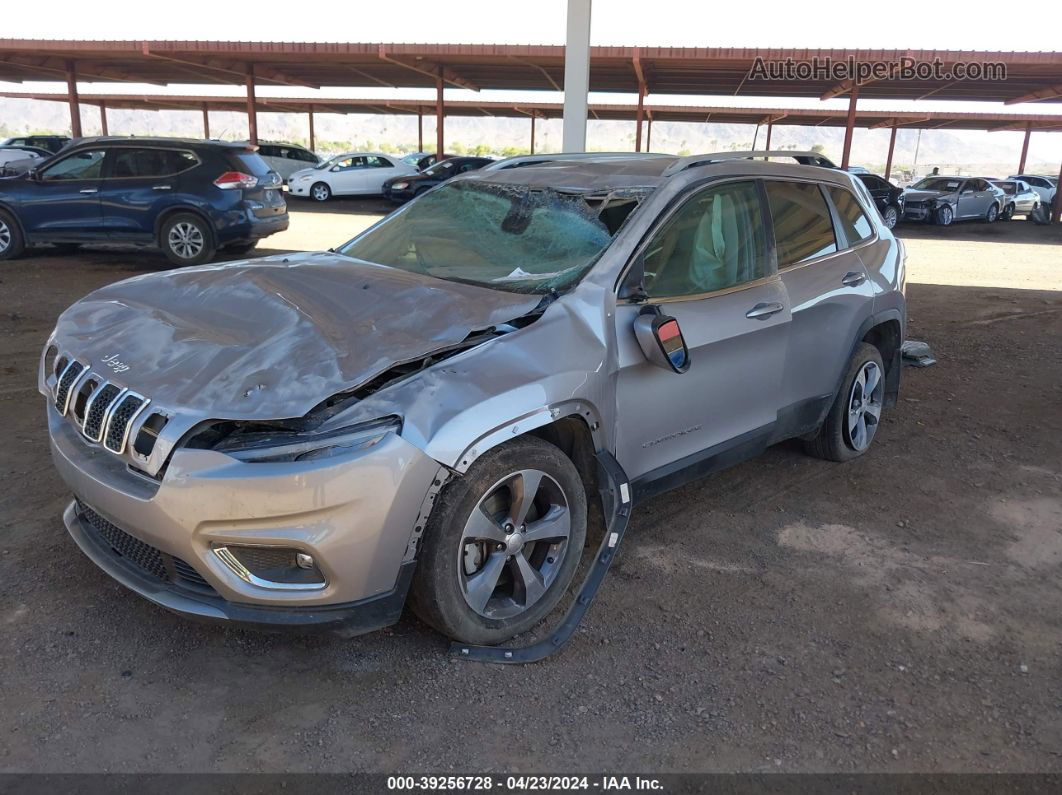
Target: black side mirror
<point>660,339</point>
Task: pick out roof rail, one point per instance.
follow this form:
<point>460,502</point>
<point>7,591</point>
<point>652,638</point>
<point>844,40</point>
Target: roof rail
<point>803,158</point>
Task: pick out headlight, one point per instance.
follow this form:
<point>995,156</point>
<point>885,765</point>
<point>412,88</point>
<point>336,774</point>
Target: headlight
<point>264,445</point>
<point>400,186</point>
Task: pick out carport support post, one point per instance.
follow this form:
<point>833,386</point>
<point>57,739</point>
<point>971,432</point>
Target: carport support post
<point>532,133</point>
<point>206,121</point>
<point>576,75</point>
<point>638,119</point>
<point>770,128</point>
<point>1025,147</point>
<point>892,146</point>
<point>1056,216</point>
<point>439,111</point>
<point>420,130</point>
<point>849,126</point>
<point>649,135</point>
<point>75,100</point>
<point>313,140</point>
<point>252,112</point>
<point>103,119</point>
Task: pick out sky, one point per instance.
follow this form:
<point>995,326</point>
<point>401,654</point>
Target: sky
<point>970,25</point>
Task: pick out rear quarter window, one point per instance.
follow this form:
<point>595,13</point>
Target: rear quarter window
<point>854,223</point>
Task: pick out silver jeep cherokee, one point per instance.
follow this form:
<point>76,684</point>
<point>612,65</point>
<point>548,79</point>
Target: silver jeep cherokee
<point>444,406</point>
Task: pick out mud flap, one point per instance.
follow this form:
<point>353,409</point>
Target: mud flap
<point>616,500</point>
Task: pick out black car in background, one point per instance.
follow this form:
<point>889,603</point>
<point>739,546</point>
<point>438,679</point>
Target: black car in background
<point>188,197</point>
<point>402,189</point>
<point>52,143</point>
<point>887,197</point>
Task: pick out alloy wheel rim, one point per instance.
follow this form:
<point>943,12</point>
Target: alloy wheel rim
<point>514,544</point>
<point>890,217</point>
<point>945,216</point>
<point>320,193</point>
<point>186,240</point>
<point>864,406</point>
<point>5,237</point>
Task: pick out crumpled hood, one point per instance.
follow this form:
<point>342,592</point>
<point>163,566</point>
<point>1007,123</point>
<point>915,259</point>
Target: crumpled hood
<point>271,338</point>
<point>923,195</point>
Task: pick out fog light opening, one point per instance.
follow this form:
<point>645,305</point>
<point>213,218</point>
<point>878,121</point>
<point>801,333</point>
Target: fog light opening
<point>274,567</point>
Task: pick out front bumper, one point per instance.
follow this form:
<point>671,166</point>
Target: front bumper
<point>354,513</point>
<point>922,213</point>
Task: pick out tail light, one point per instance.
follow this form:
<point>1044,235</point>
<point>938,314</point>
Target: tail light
<point>233,180</point>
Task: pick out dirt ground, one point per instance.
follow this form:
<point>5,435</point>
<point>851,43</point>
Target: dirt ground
<point>902,612</point>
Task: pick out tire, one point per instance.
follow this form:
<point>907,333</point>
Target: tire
<point>835,440</point>
<point>12,244</point>
<point>1007,213</point>
<point>445,586</point>
<point>944,215</point>
<point>992,213</point>
<point>320,192</point>
<point>240,249</point>
<point>891,216</point>
<point>187,239</point>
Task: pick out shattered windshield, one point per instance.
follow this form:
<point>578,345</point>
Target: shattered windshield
<point>508,237</point>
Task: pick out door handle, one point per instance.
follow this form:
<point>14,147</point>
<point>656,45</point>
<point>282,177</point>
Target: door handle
<point>163,187</point>
<point>89,190</point>
<point>762,311</point>
<point>853,279</point>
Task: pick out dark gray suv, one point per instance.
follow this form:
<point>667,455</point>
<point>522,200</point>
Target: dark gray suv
<point>452,402</point>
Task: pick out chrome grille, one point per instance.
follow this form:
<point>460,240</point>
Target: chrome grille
<point>122,415</point>
<point>97,409</point>
<point>62,390</point>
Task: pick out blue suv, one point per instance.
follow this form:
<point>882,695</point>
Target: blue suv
<point>190,198</point>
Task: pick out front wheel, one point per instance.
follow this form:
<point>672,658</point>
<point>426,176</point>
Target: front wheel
<point>992,214</point>
<point>890,217</point>
<point>320,192</point>
<point>945,215</point>
<point>186,239</point>
<point>502,544</point>
<point>853,420</point>
<point>1007,213</point>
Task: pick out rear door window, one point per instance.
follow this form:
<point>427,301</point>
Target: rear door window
<point>854,223</point>
<point>132,163</point>
<point>803,229</point>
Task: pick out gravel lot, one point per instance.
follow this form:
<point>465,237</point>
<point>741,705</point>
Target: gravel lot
<point>898,613</point>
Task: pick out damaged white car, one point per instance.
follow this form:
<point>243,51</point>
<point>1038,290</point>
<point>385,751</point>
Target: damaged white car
<point>456,403</point>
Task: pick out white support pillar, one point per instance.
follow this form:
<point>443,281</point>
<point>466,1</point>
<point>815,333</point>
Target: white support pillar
<point>576,75</point>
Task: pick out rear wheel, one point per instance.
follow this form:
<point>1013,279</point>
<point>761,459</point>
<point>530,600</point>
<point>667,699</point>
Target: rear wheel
<point>11,243</point>
<point>1007,213</point>
<point>853,420</point>
<point>186,239</point>
<point>320,192</point>
<point>502,544</point>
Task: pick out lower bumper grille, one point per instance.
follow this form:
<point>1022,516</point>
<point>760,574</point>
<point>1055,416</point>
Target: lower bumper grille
<point>146,558</point>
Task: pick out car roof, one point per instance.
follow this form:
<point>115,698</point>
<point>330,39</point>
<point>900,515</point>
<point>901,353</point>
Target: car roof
<point>363,154</point>
<point>147,141</point>
<point>589,174</point>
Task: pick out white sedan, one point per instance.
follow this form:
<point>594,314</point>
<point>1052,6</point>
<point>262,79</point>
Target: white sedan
<point>349,174</point>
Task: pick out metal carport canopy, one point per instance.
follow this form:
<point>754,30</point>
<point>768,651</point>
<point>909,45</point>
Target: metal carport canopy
<point>553,110</point>
<point>1031,76</point>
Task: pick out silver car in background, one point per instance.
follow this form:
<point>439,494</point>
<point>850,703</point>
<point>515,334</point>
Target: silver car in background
<point>941,200</point>
<point>1019,198</point>
<point>448,406</point>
